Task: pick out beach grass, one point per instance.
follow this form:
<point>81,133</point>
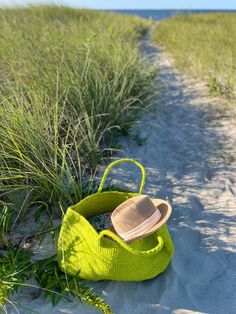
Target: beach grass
<point>70,80</point>
<point>203,45</point>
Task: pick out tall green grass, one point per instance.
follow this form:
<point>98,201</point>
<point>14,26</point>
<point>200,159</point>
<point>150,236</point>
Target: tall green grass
<point>203,45</point>
<point>69,79</point>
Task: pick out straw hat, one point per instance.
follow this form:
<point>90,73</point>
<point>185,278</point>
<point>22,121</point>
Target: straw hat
<point>139,217</point>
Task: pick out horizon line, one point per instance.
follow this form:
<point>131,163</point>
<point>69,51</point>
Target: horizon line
<point>173,9</point>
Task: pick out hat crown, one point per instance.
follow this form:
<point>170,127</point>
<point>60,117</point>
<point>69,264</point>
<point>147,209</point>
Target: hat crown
<point>132,213</point>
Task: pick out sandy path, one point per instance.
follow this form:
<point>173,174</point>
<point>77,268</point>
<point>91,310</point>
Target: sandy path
<point>183,155</point>
<point>189,157</point>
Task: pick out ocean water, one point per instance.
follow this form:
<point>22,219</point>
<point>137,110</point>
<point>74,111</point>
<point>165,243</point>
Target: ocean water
<point>163,14</point>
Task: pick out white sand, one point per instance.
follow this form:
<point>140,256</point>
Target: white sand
<point>189,155</point>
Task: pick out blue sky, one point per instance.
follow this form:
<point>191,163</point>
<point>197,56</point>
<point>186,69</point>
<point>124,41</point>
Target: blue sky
<point>135,4</point>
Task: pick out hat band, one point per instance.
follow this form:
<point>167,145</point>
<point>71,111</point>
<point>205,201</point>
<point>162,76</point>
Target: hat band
<point>143,227</point>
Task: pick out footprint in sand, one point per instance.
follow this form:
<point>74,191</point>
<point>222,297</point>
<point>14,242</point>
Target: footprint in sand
<point>197,208</point>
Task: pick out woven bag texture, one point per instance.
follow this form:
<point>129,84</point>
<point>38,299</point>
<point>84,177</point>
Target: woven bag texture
<point>97,256</point>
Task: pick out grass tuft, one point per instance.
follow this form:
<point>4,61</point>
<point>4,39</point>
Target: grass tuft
<point>69,80</point>
<point>203,45</point>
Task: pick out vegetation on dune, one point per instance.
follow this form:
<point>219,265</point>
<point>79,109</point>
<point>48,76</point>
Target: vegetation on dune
<point>69,80</point>
<point>16,268</point>
<point>203,45</point>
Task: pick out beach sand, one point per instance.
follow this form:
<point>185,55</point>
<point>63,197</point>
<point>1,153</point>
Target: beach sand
<point>189,153</point>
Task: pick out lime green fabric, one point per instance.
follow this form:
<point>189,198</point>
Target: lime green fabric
<point>97,256</point>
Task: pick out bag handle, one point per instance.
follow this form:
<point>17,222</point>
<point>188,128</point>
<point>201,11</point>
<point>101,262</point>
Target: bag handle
<point>119,161</point>
<point>127,247</point>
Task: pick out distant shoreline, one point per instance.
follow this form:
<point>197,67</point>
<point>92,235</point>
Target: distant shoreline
<point>161,14</point>
<point>208,10</point>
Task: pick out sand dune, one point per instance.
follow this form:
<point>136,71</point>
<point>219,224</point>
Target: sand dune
<point>189,155</point>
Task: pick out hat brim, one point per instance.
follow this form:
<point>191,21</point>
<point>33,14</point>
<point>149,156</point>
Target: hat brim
<point>165,210</point>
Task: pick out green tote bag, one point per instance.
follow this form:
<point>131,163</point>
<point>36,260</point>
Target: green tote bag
<point>96,256</point>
